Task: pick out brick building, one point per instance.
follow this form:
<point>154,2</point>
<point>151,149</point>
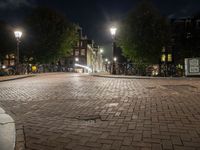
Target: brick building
<point>86,54</point>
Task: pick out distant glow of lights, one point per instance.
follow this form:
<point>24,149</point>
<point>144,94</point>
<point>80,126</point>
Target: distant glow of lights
<point>109,62</point>
<point>4,67</point>
<point>18,34</point>
<point>115,59</point>
<point>113,31</point>
<point>82,66</point>
<point>106,60</point>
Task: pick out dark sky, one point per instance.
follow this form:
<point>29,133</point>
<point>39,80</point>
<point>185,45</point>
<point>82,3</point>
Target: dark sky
<point>95,16</point>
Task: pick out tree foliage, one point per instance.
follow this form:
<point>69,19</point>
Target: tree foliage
<point>50,35</point>
<point>143,34</point>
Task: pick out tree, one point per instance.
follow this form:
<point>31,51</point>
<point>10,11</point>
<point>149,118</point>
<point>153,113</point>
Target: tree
<point>6,40</point>
<point>49,35</point>
<point>143,34</point>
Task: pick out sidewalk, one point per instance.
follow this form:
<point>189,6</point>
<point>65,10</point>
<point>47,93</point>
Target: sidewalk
<point>14,77</point>
<point>7,131</point>
<point>107,75</point>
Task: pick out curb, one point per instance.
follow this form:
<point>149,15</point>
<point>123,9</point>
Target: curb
<point>141,77</point>
<point>16,78</point>
<point>7,131</point>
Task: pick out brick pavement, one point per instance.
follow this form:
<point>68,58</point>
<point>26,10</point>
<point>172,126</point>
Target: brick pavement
<point>70,111</point>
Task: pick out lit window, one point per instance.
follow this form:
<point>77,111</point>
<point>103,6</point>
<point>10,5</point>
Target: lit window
<point>169,57</point>
<point>83,52</point>
<point>163,58</point>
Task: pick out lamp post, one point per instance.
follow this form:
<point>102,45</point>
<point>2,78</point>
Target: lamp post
<point>113,31</point>
<point>18,35</point>
<point>106,64</point>
<point>101,59</point>
<point>76,59</point>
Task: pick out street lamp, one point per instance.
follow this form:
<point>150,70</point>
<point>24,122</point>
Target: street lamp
<point>18,35</point>
<point>115,59</point>
<point>76,59</point>
<point>101,50</point>
<point>113,31</point>
<point>106,59</point>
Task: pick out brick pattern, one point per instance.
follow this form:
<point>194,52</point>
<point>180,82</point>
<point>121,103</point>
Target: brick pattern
<point>130,114</point>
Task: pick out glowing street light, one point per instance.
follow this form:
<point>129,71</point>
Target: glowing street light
<point>115,59</point>
<point>109,62</point>
<point>76,59</point>
<point>18,35</point>
<point>101,50</point>
<point>3,67</point>
<point>106,60</point>
<point>113,31</point>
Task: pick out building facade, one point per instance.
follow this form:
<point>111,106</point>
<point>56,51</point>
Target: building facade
<point>185,38</point>
<point>85,56</point>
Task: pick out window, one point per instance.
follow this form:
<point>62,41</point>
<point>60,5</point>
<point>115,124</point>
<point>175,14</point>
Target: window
<point>189,35</point>
<point>83,52</point>
<point>163,58</point>
<point>169,57</point>
<point>76,52</point>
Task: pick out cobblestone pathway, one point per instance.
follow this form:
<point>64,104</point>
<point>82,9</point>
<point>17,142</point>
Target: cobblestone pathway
<point>74,112</point>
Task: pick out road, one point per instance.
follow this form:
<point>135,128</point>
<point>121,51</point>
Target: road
<point>70,111</point>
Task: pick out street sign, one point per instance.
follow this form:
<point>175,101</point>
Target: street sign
<point>192,66</point>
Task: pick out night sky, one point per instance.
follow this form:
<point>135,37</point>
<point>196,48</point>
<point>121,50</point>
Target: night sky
<point>95,16</point>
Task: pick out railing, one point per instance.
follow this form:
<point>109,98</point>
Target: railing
<point>144,69</point>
